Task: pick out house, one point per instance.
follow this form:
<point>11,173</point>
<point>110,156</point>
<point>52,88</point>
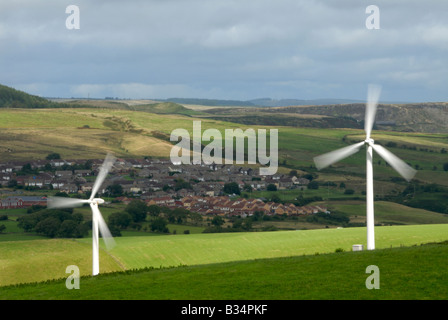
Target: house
<point>69,188</point>
<point>22,202</point>
<point>64,174</point>
<point>83,173</point>
<point>161,201</point>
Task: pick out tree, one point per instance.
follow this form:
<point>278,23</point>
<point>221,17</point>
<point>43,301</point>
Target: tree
<point>177,215</point>
<point>48,227</point>
<point>195,217</point>
<point>445,166</point>
<point>53,155</point>
<point>121,220</point>
<point>54,223</point>
<point>154,210</point>
<point>68,229</point>
<point>232,188</point>
<point>275,198</point>
<point>247,187</point>
<point>247,224</point>
<point>12,183</point>
<point>293,173</point>
<point>181,184</point>
<point>217,221</point>
<point>271,187</point>
<point>2,228</point>
<point>313,185</point>
<point>115,190</point>
<point>138,210</point>
<point>159,225</point>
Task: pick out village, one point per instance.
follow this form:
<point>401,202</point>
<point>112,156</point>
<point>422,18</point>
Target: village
<point>198,188</point>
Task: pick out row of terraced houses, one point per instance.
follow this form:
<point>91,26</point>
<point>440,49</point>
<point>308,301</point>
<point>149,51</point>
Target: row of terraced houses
<point>224,206</point>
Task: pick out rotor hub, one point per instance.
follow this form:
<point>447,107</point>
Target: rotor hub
<point>98,200</point>
<point>369,141</point>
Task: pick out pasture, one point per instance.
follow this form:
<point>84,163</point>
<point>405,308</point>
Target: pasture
<point>40,260</point>
<point>411,273</point>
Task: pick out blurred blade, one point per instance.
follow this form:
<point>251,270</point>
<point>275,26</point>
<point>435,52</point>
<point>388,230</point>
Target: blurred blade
<point>373,96</point>
<point>62,202</point>
<point>104,230</point>
<point>399,165</point>
<point>104,170</point>
<point>329,158</point>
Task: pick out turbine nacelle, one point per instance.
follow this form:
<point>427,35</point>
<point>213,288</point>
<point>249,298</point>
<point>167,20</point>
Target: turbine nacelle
<point>97,201</point>
<point>369,142</point>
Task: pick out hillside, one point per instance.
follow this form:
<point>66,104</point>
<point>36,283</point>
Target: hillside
<point>164,108</point>
<point>12,98</point>
<point>335,276</point>
<point>430,117</point>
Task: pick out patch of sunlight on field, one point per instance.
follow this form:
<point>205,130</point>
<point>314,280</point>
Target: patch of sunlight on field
<point>139,252</point>
<point>143,145</point>
<point>40,260</point>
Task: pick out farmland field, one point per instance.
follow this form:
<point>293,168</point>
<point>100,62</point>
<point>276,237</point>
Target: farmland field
<point>39,260</point>
<point>88,133</point>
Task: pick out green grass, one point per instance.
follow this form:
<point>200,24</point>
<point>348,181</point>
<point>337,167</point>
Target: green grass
<point>387,212</point>
<point>39,260</point>
<point>181,228</point>
<point>404,274</point>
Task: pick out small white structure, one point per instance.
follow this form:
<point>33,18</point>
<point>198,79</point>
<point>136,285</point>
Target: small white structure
<point>357,247</point>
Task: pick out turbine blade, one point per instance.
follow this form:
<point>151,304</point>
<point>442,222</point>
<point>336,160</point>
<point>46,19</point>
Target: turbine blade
<point>104,170</point>
<point>104,230</point>
<point>331,157</point>
<point>62,202</point>
<point>373,96</point>
<point>399,165</point>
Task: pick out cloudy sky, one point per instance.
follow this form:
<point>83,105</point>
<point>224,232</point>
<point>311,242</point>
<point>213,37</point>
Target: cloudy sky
<point>226,49</point>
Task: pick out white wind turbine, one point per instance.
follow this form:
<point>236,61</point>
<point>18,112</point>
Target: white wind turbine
<point>98,222</point>
<point>399,165</point>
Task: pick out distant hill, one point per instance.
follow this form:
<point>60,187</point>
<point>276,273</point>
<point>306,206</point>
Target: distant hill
<point>268,102</point>
<point>12,98</point>
<point>212,102</point>
<point>262,102</point>
<point>164,108</point>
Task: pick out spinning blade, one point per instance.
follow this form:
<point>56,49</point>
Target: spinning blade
<point>104,170</point>
<point>331,157</point>
<point>373,96</point>
<point>61,202</point>
<point>399,165</point>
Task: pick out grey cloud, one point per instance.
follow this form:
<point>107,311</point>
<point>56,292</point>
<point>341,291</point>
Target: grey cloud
<point>226,48</point>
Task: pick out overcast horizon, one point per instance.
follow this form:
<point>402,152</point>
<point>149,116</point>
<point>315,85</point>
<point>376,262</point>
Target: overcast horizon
<point>226,49</point>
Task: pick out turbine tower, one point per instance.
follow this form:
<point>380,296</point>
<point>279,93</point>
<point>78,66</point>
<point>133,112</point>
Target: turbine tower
<point>399,165</point>
<point>98,223</point>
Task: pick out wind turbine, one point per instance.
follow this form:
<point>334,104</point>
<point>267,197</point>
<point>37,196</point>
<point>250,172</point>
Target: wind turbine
<point>98,222</point>
<point>399,165</point>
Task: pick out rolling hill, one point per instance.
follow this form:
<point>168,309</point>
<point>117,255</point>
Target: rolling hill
<point>40,260</point>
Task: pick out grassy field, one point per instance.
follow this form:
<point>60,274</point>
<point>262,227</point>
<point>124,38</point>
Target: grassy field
<point>40,260</point>
<point>412,273</point>
<point>88,133</point>
<point>388,213</point>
